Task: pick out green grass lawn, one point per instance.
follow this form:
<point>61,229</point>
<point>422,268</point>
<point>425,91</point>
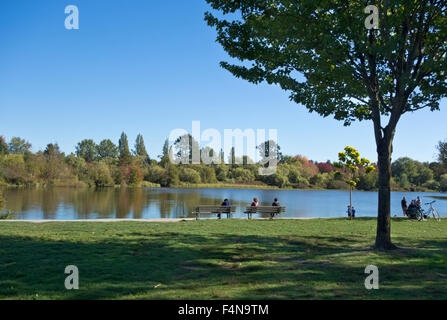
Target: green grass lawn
<point>226,259</point>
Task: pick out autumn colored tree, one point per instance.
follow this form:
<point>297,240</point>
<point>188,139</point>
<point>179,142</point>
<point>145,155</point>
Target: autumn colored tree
<point>3,146</point>
<point>350,161</point>
<point>324,167</point>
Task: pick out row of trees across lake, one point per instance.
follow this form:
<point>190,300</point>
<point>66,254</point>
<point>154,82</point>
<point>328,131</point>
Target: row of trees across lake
<point>108,164</point>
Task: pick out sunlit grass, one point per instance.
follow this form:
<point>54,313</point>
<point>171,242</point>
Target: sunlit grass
<point>225,259</point>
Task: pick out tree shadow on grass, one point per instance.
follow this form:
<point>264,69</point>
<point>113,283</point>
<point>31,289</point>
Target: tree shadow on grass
<point>228,266</point>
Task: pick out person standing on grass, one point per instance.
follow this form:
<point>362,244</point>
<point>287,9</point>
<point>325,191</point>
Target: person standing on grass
<point>404,205</point>
<point>419,203</point>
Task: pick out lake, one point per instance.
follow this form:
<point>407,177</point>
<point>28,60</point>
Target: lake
<point>155,203</point>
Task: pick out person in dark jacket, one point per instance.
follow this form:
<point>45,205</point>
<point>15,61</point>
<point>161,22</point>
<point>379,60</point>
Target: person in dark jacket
<point>276,203</point>
<point>225,203</point>
<point>404,206</point>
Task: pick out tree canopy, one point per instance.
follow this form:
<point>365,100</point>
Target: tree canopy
<point>87,150</point>
<point>18,146</point>
<point>442,148</point>
<point>107,149</point>
<point>123,147</point>
<point>321,52</point>
<point>140,148</point>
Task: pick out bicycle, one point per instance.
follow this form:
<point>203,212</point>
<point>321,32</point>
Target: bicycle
<point>430,211</point>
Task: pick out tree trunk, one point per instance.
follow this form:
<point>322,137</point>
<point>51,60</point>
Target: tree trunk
<point>383,238</point>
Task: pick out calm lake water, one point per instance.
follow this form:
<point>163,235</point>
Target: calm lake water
<point>152,203</point>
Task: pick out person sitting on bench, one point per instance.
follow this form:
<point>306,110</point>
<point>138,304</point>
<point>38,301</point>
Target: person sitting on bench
<point>255,202</point>
<point>412,211</point>
<point>225,203</point>
<point>276,203</point>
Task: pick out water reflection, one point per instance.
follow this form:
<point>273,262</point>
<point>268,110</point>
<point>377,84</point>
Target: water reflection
<point>138,203</point>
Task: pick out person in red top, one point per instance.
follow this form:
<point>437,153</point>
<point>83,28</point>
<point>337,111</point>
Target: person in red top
<point>255,202</point>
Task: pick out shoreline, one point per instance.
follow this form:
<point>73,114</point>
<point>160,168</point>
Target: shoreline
<point>173,220</point>
<point>205,186</point>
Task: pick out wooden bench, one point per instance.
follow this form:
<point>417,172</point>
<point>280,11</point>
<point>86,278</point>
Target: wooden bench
<point>228,210</point>
<point>272,211</point>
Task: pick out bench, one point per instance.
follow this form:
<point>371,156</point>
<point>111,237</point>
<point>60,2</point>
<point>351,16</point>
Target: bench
<point>228,210</point>
<point>264,210</point>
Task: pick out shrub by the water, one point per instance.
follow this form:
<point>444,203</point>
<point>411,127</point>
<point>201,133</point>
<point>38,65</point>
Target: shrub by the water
<point>2,202</point>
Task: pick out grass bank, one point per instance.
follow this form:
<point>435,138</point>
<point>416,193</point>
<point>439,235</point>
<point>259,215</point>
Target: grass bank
<point>226,259</point>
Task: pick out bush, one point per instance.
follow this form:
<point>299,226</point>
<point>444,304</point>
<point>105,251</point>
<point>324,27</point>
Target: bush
<point>99,173</point>
<point>173,177</point>
<point>368,181</point>
<point>189,175</point>
<point>14,169</point>
<point>135,175</point>
<point>294,175</point>
<point>281,178</point>
<point>2,202</point>
<point>319,180</point>
<point>242,175</point>
<point>337,184</point>
<point>432,185</point>
<point>443,182</point>
<point>155,174</point>
<point>78,165</point>
<point>222,172</point>
<point>207,174</point>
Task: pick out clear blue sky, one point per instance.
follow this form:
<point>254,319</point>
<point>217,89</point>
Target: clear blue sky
<point>149,67</point>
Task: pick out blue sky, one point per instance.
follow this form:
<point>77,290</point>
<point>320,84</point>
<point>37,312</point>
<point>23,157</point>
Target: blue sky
<point>150,67</point>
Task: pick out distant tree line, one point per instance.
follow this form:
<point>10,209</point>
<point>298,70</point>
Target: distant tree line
<point>109,164</point>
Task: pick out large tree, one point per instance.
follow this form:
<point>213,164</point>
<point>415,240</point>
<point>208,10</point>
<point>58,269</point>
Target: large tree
<point>3,146</point>
<point>18,146</point>
<point>107,149</point>
<point>123,147</point>
<point>165,158</point>
<point>87,149</point>
<point>140,149</point>
<point>322,52</point>
<point>442,148</point>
